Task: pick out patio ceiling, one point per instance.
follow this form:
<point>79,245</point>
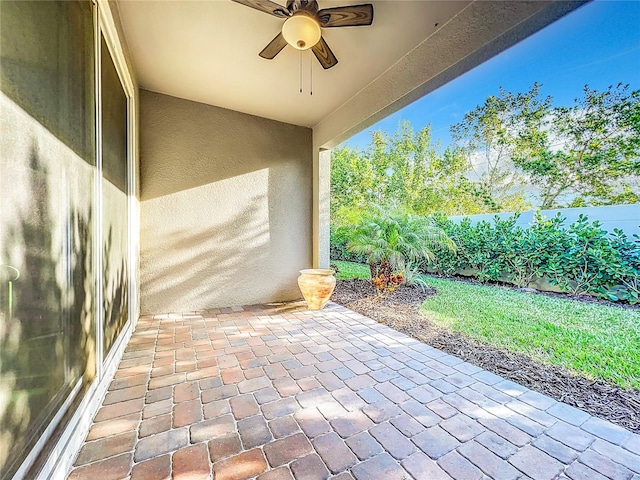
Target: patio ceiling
<point>207,51</point>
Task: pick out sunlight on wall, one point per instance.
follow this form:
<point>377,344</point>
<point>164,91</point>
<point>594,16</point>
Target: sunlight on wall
<point>216,232</point>
<point>48,342</point>
<point>226,206</point>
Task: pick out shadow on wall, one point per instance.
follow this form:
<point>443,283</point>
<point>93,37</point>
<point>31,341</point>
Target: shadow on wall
<point>47,339</point>
<point>215,246</point>
<point>115,303</point>
<point>185,144</point>
<point>226,206</point>
<point>47,68</point>
<point>181,262</point>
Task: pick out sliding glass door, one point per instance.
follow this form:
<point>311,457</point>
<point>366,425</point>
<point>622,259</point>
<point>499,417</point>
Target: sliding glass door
<point>48,218</point>
<point>64,217</point>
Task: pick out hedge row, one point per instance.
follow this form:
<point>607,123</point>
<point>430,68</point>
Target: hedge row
<point>579,259</point>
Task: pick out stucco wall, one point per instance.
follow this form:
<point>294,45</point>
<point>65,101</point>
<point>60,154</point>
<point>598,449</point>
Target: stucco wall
<point>226,206</point>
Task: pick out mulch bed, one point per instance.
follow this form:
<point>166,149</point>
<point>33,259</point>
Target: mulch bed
<point>400,311</point>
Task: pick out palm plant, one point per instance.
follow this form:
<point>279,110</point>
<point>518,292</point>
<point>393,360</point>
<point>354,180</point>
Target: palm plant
<point>390,239</point>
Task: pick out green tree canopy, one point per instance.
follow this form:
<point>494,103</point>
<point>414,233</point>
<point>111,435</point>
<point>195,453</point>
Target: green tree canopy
<point>404,170</point>
<point>579,155</point>
<point>585,154</point>
<point>487,136</point>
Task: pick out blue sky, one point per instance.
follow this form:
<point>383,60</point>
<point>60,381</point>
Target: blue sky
<point>598,45</point>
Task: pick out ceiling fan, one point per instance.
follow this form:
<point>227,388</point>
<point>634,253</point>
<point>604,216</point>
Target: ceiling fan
<point>304,19</point>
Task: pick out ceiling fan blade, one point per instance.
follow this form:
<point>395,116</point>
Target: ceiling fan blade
<point>266,6</point>
<point>348,16</point>
<point>274,48</point>
<point>324,54</point>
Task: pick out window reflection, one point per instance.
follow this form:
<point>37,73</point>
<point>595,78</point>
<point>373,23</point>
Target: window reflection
<point>47,171</point>
<point>114,201</point>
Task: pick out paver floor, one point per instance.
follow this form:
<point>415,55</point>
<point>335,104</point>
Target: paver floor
<point>278,392</point>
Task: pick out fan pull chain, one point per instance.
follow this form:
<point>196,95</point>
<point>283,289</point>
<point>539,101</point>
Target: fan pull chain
<point>310,74</point>
<point>300,71</point>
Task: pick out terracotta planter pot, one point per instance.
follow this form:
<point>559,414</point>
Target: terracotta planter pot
<point>316,285</point>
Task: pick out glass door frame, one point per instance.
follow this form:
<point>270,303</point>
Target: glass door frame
<point>104,29</point>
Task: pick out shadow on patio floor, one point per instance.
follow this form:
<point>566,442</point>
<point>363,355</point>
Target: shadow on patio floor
<point>279,392</point>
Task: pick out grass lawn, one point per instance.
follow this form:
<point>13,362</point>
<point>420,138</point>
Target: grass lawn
<point>596,341</point>
<point>349,270</point>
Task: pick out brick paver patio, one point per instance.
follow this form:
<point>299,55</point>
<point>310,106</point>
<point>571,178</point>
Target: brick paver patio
<point>272,392</point>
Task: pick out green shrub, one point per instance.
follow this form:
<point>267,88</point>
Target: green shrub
<point>589,262</point>
<point>338,249</point>
<point>582,258</point>
<point>413,277</point>
<point>625,271</point>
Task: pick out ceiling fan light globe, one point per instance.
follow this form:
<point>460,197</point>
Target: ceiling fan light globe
<point>301,32</point>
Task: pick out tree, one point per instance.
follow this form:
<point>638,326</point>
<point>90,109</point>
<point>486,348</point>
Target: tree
<point>587,154</point>
<point>389,239</point>
<point>404,170</point>
<point>488,137</point>
<point>352,181</point>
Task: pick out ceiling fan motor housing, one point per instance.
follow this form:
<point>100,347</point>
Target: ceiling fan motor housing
<point>310,6</point>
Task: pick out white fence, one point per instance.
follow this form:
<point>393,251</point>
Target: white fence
<point>624,217</point>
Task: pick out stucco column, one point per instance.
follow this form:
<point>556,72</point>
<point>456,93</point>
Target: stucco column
<point>321,197</point>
